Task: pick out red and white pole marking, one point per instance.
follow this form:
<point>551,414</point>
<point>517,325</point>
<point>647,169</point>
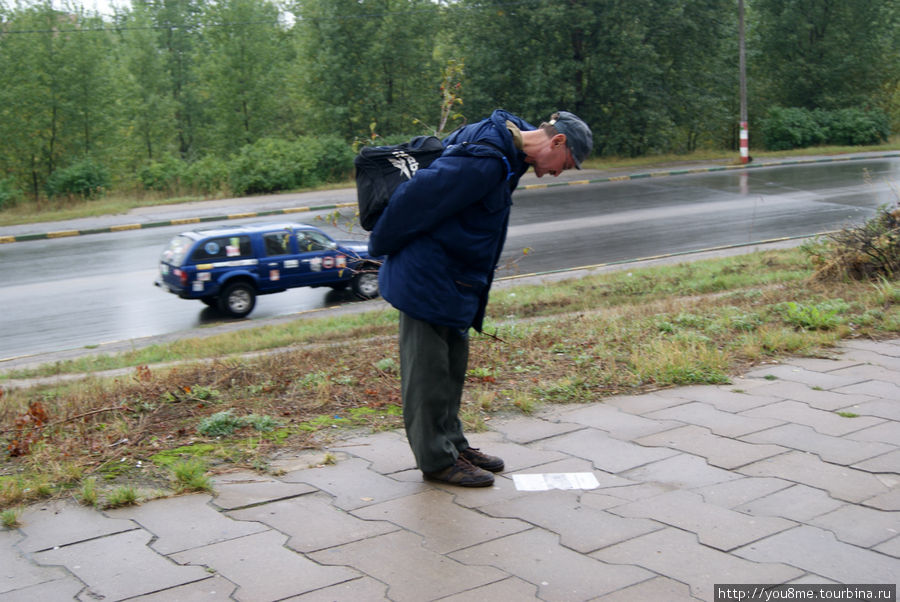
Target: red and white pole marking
<point>745,143</point>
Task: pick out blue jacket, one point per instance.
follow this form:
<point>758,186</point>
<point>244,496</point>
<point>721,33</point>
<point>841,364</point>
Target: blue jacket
<point>443,230</point>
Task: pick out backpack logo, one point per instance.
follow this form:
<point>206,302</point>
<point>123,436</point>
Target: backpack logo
<point>407,165</point>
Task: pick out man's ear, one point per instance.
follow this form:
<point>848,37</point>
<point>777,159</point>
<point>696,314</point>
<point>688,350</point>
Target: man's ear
<point>558,140</point>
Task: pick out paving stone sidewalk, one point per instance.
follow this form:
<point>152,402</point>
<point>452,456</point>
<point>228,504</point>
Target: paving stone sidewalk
<point>791,474</point>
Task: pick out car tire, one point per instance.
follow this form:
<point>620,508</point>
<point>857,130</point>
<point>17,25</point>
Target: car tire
<point>237,299</point>
<point>365,285</point>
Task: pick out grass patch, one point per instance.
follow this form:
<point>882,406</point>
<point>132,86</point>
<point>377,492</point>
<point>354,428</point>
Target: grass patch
<point>573,341</point>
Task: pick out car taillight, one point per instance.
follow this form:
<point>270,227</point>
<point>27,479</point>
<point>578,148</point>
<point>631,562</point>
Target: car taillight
<point>182,276</point>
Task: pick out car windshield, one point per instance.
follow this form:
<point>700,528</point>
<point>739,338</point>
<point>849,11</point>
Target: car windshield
<point>176,251</point>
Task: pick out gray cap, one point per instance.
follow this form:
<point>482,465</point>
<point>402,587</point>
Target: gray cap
<point>578,135</point>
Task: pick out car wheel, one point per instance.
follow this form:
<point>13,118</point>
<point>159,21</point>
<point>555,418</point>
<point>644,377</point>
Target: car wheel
<point>237,300</point>
<point>365,285</point>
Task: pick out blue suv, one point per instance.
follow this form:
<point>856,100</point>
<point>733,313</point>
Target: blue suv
<point>228,267</point>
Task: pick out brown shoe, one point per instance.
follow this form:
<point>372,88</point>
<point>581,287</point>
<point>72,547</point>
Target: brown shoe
<point>482,460</point>
<point>462,473</point>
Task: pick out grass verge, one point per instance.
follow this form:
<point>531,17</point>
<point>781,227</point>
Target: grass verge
<point>167,427</point>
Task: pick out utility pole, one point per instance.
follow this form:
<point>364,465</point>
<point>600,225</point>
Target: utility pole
<point>745,134</point>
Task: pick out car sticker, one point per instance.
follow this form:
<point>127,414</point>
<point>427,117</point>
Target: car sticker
<point>227,264</point>
<point>203,276</point>
<point>211,248</point>
<point>273,275</point>
<point>341,261</point>
<point>197,286</point>
<point>328,262</point>
<point>232,251</point>
<point>291,263</point>
<point>315,264</point>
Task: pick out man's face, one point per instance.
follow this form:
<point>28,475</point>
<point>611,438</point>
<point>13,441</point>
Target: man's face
<point>553,159</point>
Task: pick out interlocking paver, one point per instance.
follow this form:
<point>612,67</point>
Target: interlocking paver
<point>263,568</point>
<point>723,397</point>
<point>364,589</point>
<point>819,552</point>
<point>512,588</point>
<point>606,453</point>
<point>798,503</point>
<point>643,404</point>
<point>889,462</point>
<point>861,526</point>
<point>560,574</point>
<point>528,430</point>
<point>677,555</point>
<point>683,471</point>
<point>237,490</point>
<point>721,423</point>
<point>604,479</point>
<point>889,500</point>
<point>841,482</point>
<point>580,520</point>
<point>658,588</point>
<point>16,572</point>
<point>444,525</point>
<point>827,423</point>
<point>388,452</point>
<point>814,397</point>
<point>872,372</point>
<point>66,588</point>
<point>812,378</point>
<point>715,526</point>
<point>879,408</point>
<point>515,456</point>
<point>121,566</point>
<point>312,522</point>
<point>890,547</point>
<point>731,494</point>
<point>723,452</point>
<point>185,522</point>
<point>618,424</point>
<point>62,522</point>
<point>887,432</point>
<point>353,485</point>
<point>215,589</point>
<point>829,448</point>
<point>411,571</point>
<point>875,388</point>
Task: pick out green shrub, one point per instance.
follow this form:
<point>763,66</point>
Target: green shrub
<point>221,423</point>
<point>162,175</point>
<point>9,195</point>
<point>854,127</point>
<point>273,164</point>
<point>787,128</point>
<point>209,175</point>
<point>86,178</point>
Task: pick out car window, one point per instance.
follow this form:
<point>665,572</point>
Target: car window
<point>309,240</point>
<point>277,243</point>
<point>225,247</point>
<point>174,253</point>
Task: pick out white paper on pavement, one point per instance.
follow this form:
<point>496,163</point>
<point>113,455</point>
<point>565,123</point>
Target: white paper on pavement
<point>555,480</point>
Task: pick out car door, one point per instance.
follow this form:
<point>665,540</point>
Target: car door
<point>279,266</point>
<point>320,254</point>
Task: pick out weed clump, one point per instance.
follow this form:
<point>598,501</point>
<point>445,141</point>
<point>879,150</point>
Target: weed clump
<point>870,251</point>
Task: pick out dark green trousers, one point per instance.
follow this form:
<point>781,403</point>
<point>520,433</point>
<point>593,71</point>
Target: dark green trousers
<point>433,364</point>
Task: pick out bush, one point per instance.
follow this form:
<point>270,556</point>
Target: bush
<point>787,128</point>
<point>209,175</point>
<point>163,175</point>
<point>85,178</point>
<point>784,129</point>
<point>9,195</point>
<point>854,127</point>
<point>273,164</point>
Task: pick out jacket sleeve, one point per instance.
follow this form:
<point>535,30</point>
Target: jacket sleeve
<point>444,188</point>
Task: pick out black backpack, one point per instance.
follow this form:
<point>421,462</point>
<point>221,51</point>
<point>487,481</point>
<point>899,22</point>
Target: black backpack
<point>380,169</point>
